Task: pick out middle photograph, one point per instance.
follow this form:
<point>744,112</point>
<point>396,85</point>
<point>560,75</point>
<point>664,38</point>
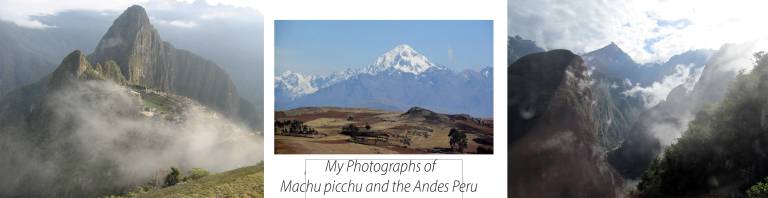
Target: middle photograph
<point>383,87</point>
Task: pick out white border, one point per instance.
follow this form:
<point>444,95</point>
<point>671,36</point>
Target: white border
<point>489,170</point>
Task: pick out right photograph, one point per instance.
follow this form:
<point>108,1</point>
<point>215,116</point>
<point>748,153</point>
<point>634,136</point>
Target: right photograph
<point>637,99</point>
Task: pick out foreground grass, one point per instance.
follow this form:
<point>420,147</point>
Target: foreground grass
<point>241,182</point>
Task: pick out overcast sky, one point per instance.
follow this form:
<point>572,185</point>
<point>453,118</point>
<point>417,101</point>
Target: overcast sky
<point>648,30</point>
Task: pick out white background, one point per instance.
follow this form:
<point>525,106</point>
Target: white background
<point>490,171</point>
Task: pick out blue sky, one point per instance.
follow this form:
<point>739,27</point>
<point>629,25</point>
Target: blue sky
<point>321,47</point>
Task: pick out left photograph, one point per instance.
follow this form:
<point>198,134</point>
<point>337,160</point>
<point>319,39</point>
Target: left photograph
<point>120,100</point>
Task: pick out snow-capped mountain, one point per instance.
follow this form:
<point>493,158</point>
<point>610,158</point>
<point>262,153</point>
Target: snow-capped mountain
<point>397,80</point>
<point>296,84</point>
<point>402,58</point>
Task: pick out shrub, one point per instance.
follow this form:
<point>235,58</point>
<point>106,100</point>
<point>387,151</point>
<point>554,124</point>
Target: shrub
<point>759,190</point>
<point>458,140</point>
<point>197,173</point>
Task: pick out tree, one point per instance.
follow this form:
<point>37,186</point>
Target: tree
<point>458,140</point>
<point>173,177</point>
<point>367,126</point>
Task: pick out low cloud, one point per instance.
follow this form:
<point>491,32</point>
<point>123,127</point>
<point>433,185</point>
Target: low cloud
<point>652,95</point>
<point>177,23</point>
<point>96,140</point>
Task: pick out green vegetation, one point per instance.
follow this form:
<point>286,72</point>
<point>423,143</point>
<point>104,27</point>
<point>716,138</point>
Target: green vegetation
<point>158,102</point>
<point>458,140</point>
<point>196,173</point>
<point>725,147</point>
<point>110,70</point>
<point>241,182</point>
<point>759,190</point>
<point>294,127</point>
<point>350,129</point>
<point>173,177</point>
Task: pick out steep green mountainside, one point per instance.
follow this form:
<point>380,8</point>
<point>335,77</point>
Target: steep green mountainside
<point>615,112</point>
<point>19,65</point>
<point>724,150</point>
<point>554,147</point>
<point>83,133</point>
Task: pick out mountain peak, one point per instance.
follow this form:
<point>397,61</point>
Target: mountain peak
<point>613,53</point>
<point>135,45</point>
<point>74,66</point>
<point>611,47</point>
<point>134,16</point>
<point>402,58</point>
<point>403,48</point>
<point>74,62</point>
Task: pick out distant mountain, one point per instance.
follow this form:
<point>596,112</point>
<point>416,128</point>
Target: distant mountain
<point>19,65</point>
<point>621,89</point>
<point>397,80</point>
<point>613,62</point>
<point>554,147</point>
<point>518,47</point>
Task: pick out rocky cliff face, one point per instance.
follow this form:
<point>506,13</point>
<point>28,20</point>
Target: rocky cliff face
<point>553,145</point>
<point>75,66</point>
<point>145,59</point>
<point>134,44</point>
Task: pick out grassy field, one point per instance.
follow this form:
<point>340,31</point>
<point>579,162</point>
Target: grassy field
<point>425,131</point>
<point>241,182</point>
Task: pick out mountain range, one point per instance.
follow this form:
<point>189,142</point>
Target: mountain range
<point>30,54</point>
<point>613,61</point>
<point>398,80</point>
<point>144,59</point>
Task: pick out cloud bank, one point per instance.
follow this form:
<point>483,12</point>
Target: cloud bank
<point>655,93</point>
<point>649,31</point>
<point>23,12</point>
<point>97,141</point>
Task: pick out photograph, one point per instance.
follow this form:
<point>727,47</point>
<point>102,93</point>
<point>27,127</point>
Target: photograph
<point>637,99</point>
<point>157,99</point>
<point>383,87</point>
